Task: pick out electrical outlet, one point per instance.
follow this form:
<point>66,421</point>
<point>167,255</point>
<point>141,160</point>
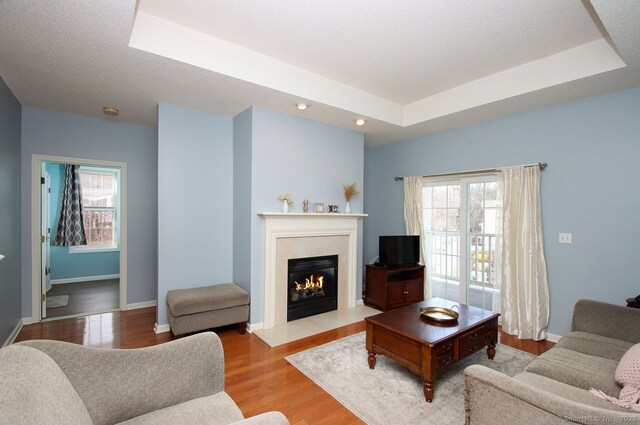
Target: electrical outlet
<point>565,238</point>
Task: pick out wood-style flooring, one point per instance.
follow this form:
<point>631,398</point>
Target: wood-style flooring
<point>86,297</point>
<point>257,376</point>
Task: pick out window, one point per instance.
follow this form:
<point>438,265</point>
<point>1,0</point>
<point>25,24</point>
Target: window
<point>461,239</point>
<point>100,202</point>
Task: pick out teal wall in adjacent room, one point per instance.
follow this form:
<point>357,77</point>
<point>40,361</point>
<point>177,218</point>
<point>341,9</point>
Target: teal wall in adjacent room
<point>71,266</point>
<point>589,188</point>
<point>10,241</point>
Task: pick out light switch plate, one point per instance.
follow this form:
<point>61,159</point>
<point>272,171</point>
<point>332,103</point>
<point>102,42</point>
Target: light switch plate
<point>565,238</point>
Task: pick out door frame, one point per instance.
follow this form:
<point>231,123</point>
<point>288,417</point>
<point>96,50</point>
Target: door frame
<point>45,230</point>
<point>36,258</point>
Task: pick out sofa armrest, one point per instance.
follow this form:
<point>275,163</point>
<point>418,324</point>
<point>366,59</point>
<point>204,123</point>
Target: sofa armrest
<point>493,398</point>
<point>269,418</point>
<point>613,321</point>
<point>116,385</point>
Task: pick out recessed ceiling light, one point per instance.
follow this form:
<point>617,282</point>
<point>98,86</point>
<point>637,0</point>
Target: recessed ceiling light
<point>302,106</point>
<point>110,110</point>
<point>360,121</point>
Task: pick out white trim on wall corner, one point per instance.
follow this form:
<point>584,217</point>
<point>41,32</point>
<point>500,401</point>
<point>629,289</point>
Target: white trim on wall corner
<point>85,279</point>
<point>143,304</point>
<point>14,333</point>
<point>359,302</point>
<point>161,328</point>
<point>254,326</point>
<point>27,321</point>
<point>553,337</point>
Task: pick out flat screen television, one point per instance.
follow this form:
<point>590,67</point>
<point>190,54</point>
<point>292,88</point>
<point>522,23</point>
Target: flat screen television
<point>398,251</point>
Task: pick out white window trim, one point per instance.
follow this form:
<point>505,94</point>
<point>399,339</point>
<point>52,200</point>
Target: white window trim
<point>89,249</point>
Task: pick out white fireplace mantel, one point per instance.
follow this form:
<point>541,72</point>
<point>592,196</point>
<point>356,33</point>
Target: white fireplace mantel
<point>301,225</point>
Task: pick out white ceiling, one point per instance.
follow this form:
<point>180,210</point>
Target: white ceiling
<point>411,68</point>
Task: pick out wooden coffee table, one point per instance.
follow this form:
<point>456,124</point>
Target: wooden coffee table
<point>426,347</point>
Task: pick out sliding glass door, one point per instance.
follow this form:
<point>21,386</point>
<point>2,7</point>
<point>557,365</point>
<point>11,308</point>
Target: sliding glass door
<point>461,239</point>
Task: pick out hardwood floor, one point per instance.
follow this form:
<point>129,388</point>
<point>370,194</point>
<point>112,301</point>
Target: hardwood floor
<point>86,297</point>
<point>257,376</point>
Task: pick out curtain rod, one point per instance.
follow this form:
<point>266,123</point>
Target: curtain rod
<point>542,166</point>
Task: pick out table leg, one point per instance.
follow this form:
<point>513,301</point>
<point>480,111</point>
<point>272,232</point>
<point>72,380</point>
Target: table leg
<point>428,391</point>
<point>491,350</point>
<point>372,360</point>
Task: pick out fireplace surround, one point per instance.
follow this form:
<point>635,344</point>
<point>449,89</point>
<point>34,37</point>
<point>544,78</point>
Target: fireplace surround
<point>298,235</point>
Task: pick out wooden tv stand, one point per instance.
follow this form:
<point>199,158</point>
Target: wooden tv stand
<point>387,288</point>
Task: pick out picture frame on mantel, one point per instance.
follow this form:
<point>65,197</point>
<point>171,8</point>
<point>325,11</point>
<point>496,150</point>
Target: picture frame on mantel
<point>319,207</point>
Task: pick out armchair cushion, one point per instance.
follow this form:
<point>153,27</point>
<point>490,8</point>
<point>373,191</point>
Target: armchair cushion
<point>217,409</point>
<point>34,390</point>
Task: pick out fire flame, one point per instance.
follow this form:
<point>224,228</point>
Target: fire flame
<point>310,284</point>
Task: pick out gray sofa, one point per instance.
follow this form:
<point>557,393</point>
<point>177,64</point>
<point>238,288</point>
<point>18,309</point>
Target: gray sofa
<point>554,387</point>
<point>179,382</point>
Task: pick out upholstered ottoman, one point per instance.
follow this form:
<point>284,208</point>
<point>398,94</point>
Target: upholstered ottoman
<point>197,309</point>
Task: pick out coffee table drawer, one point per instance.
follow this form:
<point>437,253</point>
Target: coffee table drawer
<point>443,348</point>
<point>473,341</point>
<point>445,359</point>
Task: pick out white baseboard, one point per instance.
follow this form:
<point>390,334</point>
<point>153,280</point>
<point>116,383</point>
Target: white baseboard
<point>85,279</point>
<point>161,328</point>
<point>254,326</point>
<point>359,302</point>
<point>144,304</point>
<point>553,337</point>
<point>14,333</point>
<point>28,321</point>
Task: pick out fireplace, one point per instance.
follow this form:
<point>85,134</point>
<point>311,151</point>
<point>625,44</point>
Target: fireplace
<point>312,286</point>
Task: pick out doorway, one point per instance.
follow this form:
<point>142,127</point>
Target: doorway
<point>90,278</point>
<point>82,279</point>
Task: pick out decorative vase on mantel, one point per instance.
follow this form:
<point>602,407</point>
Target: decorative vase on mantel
<point>285,206</point>
<point>347,208</point>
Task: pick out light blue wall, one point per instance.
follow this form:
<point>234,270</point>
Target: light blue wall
<point>10,292</point>
<point>307,159</point>
<point>589,188</point>
<point>60,134</point>
<point>63,264</point>
<point>195,200</point>
<point>242,162</point>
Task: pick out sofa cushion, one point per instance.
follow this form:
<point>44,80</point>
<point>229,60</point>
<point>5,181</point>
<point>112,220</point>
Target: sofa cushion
<point>34,390</point>
<point>206,298</point>
<point>594,345</point>
<point>565,391</point>
<point>577,369</point>
<point>627,375</point>
<point>216,409</point>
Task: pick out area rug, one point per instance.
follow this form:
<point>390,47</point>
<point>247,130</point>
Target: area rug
<point>57,301</point>
<point>390,393</point>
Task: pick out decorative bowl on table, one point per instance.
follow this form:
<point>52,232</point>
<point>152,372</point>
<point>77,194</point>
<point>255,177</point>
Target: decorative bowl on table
<point>439,314</point>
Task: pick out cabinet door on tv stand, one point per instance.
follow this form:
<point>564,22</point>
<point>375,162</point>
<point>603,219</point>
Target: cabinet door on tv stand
<point>414,291</point>
<point>395,295</point>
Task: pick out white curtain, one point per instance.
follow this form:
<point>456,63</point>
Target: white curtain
<point>525,290</point>
<point>413,223</point>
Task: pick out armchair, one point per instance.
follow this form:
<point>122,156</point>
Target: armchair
<point>179,382</point>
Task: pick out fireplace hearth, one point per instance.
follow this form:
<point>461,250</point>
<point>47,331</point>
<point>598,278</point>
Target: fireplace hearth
<point>312,286</point>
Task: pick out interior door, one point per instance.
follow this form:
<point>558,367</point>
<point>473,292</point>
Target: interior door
<point>45,239</point>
